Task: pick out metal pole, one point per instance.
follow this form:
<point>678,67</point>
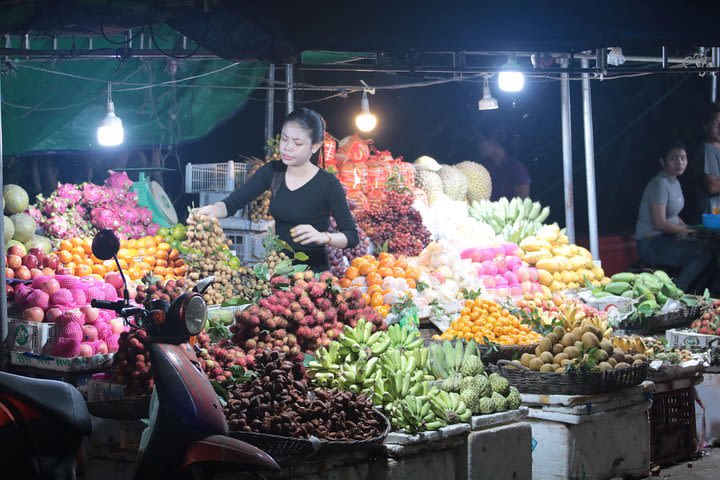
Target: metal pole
<point>3,293</point>
<point>270,104</point>
<point>290,85</point>
<point>590,163</point>
<point>715,56</point>
<point>567,155</point>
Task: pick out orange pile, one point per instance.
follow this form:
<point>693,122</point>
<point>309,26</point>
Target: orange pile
<point>481,319</point>
<point>378,276</point>
<point>137,257</point>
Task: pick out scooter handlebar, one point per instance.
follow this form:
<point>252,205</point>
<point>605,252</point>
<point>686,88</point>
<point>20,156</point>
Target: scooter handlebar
<point>106,305</point>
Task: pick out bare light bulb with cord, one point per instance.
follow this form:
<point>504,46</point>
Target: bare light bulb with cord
<point>510,79</point>
<point>365,121</point>
<point>110,133</point>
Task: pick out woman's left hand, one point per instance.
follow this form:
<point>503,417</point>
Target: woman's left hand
<point>306,234</point>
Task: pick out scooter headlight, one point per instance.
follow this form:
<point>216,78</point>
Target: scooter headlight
<point>195,314</point>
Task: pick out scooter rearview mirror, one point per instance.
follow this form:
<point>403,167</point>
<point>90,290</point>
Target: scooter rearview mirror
<point>105,245</point>
<point>204,284</point>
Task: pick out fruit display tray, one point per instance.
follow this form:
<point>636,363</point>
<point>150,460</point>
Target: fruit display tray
<point>59,364</point>
<point>571,383</point>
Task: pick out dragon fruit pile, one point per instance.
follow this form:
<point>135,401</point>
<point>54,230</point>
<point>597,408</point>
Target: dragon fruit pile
<point>303,313</point>
<point>337,257</point>
<point>64,300</point>
<point>80,210</point>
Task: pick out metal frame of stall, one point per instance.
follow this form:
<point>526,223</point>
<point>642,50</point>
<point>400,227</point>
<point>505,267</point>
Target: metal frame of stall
<point>458,67</point>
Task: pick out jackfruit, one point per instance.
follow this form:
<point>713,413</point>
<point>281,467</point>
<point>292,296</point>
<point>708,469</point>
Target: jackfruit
<point>430,183</point>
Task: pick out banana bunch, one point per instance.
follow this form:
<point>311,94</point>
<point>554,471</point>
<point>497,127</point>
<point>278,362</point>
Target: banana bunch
<point>446,360</point>
<point>415,414</point>
<point>515,219</point>
<point>354,340</point>
<point>403,338</point>
<point>448,407</point>
<point>400,376</point>
<point>632,343</point>
<point>358,376</point>
<point>573,316</point>
<point>325,369</point>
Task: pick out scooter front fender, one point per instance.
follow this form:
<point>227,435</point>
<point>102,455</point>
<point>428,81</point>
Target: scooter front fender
<point>228,454</point>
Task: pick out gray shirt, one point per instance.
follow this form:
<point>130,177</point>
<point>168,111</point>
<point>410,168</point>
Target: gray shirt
<point>712,167</point>
<point>662,190</point>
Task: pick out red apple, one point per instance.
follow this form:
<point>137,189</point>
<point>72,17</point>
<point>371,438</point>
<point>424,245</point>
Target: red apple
<point>13,261</point>
<point>64,271</point>
<point>102,348</point>
<point>90,333</point>
<point>18,250</point>
<point>38,252</point>
<point>53,314</point>
<point>86,350</point>
<point>33,314</point>
<point>50,286</point>
<point>90,313</point>
<point>36,272</point>
<point>51,261</point>
<point>23,273</point>
<point>117,325</point>
<point>48,271</point>
<point>9,272</point>
<point>30,261</point>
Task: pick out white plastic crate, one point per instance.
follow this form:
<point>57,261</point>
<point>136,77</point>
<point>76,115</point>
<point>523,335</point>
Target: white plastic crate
<point>215,177</point>
<point>238,223</point>
<point>246,245</point>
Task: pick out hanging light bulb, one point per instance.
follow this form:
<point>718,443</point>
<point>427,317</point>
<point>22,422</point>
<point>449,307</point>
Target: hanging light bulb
<point>510,79</point>
<point>365,121</point>
<point>110,132</point>
<point>488,102</point>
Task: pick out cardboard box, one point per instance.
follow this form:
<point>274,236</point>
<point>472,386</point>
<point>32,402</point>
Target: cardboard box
<point>31,336</point>
<point>689,339</point>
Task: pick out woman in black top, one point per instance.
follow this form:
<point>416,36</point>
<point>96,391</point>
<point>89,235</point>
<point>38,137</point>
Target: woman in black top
<point>303,195</point>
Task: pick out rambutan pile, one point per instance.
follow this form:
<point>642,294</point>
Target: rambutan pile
<point>132,363</point>
<point>303,313</point>
<point>219,359</point>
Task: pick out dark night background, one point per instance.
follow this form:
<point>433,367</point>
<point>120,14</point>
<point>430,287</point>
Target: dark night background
<point>633,117</point>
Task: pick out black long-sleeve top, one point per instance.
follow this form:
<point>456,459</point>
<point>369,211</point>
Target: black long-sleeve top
<point>311,204</point>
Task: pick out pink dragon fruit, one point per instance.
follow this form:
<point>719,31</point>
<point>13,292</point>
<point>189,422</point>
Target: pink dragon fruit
<point>153,228</point>
<point>69,191</point>
<point>118,180</point>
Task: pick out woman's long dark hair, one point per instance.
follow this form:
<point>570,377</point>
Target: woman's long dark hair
<point>311,121</point>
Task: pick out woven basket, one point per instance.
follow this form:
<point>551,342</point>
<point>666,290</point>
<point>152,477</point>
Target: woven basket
<point>660,323</point>
<point>504,352</point>
<point>570,383</point>
<point>279,446</point>
<point>134,408</point>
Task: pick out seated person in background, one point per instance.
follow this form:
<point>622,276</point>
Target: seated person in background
<point>660,232</point>
<point>711,153</point>
<point>510,178</point>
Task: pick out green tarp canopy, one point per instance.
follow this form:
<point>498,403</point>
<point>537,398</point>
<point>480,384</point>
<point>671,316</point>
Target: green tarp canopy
<point>57,105</point>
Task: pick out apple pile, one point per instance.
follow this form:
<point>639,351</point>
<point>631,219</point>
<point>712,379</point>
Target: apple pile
<point>24,265</point>
<point>65,300</point>
<point>502,271</point>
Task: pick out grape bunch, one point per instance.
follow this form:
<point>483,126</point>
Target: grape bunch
<point>397,224</point>
<point>337,256</point>
<point>132,362</point>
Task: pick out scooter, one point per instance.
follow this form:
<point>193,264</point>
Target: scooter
<point>43,422</point>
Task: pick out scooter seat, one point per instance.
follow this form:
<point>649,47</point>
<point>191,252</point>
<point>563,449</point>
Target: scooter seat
<point>59,399</point>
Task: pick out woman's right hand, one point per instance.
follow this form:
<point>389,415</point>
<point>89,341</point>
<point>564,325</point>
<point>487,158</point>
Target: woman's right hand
<point>217,210</point>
